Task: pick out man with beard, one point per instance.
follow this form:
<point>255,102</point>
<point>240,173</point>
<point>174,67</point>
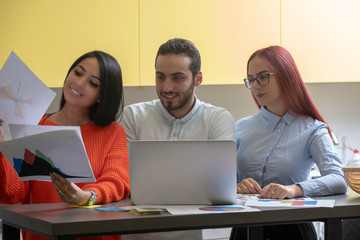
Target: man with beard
<point>178,114</point>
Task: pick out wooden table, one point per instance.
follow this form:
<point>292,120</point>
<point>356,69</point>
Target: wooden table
<point>59,221</point>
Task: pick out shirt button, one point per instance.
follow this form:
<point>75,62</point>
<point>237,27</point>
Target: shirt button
<point>278,130</point>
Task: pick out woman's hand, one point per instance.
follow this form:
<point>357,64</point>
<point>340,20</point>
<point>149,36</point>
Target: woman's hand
<point>277,191</point>
<point>247,186</point>
<point>69,192</point>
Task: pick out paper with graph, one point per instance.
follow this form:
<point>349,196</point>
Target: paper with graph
<point>34,157</point>
<point>294,203</point>
<point>24,98</point>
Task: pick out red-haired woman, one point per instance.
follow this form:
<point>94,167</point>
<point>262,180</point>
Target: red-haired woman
<point>277,147</point>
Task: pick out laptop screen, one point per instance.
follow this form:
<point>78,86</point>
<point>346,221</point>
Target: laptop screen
<point>183,172</point>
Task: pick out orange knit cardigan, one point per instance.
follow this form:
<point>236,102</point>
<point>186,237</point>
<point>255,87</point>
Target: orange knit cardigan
<point>107,152</point>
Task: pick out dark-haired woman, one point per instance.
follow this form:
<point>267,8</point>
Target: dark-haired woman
<point>92,99</point>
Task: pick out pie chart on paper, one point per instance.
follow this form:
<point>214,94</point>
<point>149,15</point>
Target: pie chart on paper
<point>222,209</point>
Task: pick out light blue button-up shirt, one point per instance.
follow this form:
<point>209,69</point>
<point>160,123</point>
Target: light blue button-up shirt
<point>273,149</point>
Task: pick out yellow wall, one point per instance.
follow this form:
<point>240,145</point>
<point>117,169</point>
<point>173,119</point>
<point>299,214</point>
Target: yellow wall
<point>49,35</point>
<point>226,32</point>
<point>323,37</point>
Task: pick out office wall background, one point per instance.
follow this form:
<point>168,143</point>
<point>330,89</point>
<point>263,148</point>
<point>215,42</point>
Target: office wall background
<point>338,102</point>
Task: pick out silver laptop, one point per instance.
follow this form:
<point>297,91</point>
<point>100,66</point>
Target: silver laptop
<point>183,172</point>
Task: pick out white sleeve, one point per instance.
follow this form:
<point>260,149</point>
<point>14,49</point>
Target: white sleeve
<point>128,123</point>
<point>222,125</point>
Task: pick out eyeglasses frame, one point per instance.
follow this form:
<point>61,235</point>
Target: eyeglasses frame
<point>247,82</point>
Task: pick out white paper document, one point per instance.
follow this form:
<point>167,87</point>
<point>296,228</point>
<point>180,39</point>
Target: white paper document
<point>23,130</point>
<point>243,198</point>
<point>24,98</point>
<point>34,157</point>
<point>293,203</point>
<point>198,209</point>
<point>193,209</point>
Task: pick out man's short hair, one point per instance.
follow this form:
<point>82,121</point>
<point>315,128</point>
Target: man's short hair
<point>180,46</point>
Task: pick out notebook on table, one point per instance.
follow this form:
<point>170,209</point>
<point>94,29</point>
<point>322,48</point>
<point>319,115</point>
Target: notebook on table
<point>183,172</point>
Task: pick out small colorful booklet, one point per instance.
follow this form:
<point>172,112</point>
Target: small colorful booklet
<point>253,200</point>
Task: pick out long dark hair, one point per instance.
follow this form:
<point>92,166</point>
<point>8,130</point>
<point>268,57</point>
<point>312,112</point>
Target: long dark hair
<point>111,104</point>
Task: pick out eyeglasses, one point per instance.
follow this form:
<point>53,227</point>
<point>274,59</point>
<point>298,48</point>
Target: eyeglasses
<point>262,79</point>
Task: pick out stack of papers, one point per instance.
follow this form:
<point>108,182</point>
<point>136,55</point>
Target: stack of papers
<point>253,200</point>
<point>36,151</point>
<point>246,203</point>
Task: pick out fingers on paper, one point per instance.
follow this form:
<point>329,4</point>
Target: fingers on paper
<point>274,191</point>
<point>248,185</point>
<point>61,185</point>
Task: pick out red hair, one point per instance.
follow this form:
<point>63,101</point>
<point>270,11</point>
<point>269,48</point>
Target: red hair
<point>292,88</point>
